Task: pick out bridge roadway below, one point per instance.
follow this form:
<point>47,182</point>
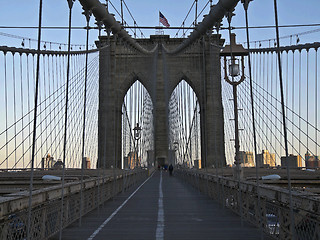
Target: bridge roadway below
<point>141,213</point>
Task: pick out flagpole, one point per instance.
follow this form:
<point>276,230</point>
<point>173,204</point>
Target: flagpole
<point>159,31</point>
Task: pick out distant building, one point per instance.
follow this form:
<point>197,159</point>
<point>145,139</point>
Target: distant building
<point>197,163</point>
<point>312,161</point>
<point>86,163</point>
<point>125,163</point>
<point>150,158</point>
<point>47,162</point>
<point>266,159</point>
<point>58,165</point>
<point>131,161</point>
<point>246,158</point>
<point>292,161</point>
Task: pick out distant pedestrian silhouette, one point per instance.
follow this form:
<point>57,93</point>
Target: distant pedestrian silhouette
<point>170,169</point>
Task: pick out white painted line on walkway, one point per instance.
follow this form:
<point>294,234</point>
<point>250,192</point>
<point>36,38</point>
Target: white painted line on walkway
<point>116,211</point>
<point>160,225</point>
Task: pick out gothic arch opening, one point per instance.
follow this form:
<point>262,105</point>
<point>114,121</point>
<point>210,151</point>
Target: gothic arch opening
<point>137,113</point>
<point>184,126</point>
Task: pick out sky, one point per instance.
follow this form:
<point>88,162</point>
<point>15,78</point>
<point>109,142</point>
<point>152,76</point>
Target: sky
<point>55,13</point>
<point>146,13</point>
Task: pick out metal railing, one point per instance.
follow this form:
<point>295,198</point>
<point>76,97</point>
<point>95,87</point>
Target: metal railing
<point>46,209</point>
<point>273,217</point>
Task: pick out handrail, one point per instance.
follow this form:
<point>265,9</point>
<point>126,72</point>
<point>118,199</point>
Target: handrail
<point>27,51</point>
<point>299,47</point>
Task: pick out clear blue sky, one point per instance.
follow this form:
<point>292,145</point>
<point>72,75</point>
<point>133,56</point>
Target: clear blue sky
<point>146,12</point>
<point>55,13</point>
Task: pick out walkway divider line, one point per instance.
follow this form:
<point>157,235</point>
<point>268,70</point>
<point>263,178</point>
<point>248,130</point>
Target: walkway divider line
<point>116,211</point>
<point>160,225</point>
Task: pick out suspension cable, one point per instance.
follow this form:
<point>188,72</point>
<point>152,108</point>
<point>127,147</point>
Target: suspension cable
<point>87,14</point>
<point>34,124</point>
<point>292,225</point>
<point>70,4</point>
<point>245,6</point>
<point>184,20</point>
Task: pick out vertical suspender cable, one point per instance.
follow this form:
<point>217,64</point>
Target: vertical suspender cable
<point>41,112</point>
<point>180,109</point>
<point>49,150</point>
<point>258,70</point>
<point>292,101</point>
<point>292,223</point>
<point>54,89</point>
<point>56,108</point>
<point>181,123</point>
<point>190,123</point>
<point>307,96</point>
<point>272,79</point>
<point>178,114</point>
<point>45,80</point>
<point>246,5</point>
<point>121,1</point>
<point>62,77</point>
<point>99,151</point>
<point>300,62</point>
<point>276,142</point>
<point>196,14</point>
<point>134,122</point>
<point>87,14</point>
<point>34,124</point>
<point>137,101</point>
<point>22,109</point>
<point>14,111</point>
<point>6,106</point>
<point>28,95</point>
<point>287,81</point>
<point>185,127</point>
<point>70,4</point>
<point>265,95</point>
<point>141,120</point>
<point>129,109</point>
<point>316,102</point>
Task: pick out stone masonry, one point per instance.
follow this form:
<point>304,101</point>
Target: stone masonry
<point>160,72</point>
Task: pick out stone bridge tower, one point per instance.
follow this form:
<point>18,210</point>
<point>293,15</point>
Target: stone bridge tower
<point>160,72</point>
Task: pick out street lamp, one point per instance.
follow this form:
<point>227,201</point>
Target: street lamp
<point>137,136</point>
<point>232,69</point>
<point>175,145</point>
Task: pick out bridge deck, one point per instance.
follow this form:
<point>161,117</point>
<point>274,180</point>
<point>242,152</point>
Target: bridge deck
<point>187,214</point>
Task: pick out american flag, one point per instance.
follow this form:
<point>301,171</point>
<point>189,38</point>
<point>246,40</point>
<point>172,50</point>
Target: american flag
<point>163,20</point>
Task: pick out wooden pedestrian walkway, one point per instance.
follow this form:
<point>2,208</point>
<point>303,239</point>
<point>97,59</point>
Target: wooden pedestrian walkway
<point>163,207</point>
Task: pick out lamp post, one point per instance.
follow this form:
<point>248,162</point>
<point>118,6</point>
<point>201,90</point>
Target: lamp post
<point>232,69</point>
<point>137,136</point>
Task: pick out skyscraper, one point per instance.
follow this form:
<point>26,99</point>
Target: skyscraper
<point>292,161</point>
<point>247,158</point>
<point>266,159</point>
<point>312,161</point>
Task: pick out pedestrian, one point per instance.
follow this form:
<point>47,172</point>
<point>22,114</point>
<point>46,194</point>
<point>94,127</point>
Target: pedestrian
<point>170,169</point>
